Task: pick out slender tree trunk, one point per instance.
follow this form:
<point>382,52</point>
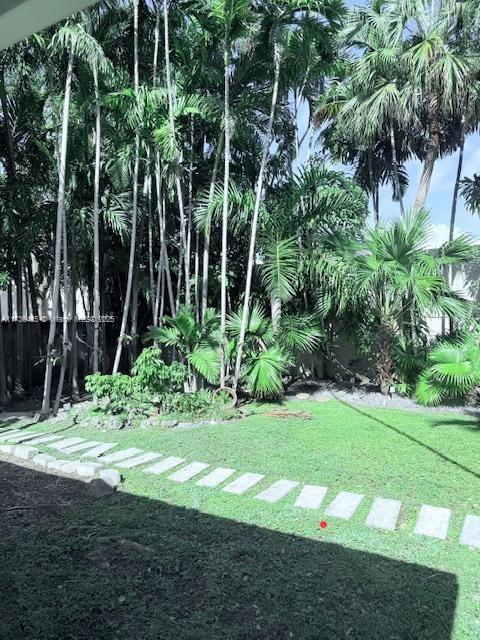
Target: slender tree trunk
<point>453,213</point>
<point>161,209</point>
<point>45,410</point>
<point>65,344</point>
<point>151,267</point>
<point>96,223</point>
<point>183,257</point>
<point>373,189</point>
<point>196,267</point>
<point>4,399</point>
<point>206,240</point>
<point>395,168</point>
<point>258,195</point>
<point>74,386</point>
<point>226,178</point>
<point>133,237</point>
<point>18,384</point>
<point>427,171</point>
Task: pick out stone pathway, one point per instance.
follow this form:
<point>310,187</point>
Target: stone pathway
<point>384,514</point>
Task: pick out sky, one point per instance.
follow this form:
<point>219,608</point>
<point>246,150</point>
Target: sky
<point>439,200</point>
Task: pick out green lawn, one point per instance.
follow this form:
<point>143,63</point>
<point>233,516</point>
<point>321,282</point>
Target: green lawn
<point>345,581</point>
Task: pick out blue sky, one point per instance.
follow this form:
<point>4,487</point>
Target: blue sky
<point>439,200</point>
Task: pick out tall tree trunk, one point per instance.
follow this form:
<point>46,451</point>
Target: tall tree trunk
<point>183,257</point>
<point>427,170</point>
<point>18,385</point>
<point>256,210</point>
<point>151,266</point>
<point>161,209</point>
<point>206,239</point>
<point>226,178</point>
<point>96,230</point>
<point>65,344</point>
<point>373,188</point>
<point>453,213</point>
<point>395,168</point>
<point>133,237</point>
<point>45,410</point>
<point>4,399</point>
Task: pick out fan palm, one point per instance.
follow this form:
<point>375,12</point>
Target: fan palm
<point>453,372</point>
<point>196,343</point>
<point>391,275</point>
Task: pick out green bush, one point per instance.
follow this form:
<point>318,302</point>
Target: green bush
<point>186,402</point>
<point>151,374</point>
<point>117,387</point>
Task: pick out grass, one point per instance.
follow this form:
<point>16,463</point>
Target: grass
<point>382,584</point>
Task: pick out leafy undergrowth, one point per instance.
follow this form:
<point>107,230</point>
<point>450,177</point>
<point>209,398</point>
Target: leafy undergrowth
<point>196,562</point>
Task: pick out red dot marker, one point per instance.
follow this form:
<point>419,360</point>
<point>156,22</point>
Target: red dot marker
<point>322,524</point>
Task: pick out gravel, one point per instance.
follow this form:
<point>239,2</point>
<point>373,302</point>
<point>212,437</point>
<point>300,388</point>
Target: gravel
<point>368,397</point>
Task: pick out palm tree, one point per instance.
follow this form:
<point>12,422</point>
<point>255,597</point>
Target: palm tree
<point>195,342</point>
<point>51,356</point>
<point>453,372</point>
<point>392,277</point>
<point>136,167</point>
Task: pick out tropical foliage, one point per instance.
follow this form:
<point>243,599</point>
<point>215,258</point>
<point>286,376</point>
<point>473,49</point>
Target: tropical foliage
<point>183,169</point>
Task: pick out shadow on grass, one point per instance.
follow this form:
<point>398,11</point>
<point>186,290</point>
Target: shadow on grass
<point>136,568</point>
<point>452,420</point>
<point>409,437</point>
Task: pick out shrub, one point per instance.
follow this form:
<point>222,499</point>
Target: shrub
<point>151,374</point>
<point>117,387</point>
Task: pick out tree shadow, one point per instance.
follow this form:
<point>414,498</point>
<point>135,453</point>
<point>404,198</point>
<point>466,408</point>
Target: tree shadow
<point>427,447</point>
<point>131,567</point>
<point>451,420</point>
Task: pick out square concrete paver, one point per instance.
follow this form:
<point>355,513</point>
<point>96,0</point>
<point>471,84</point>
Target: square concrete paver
<point>277,491</point>
<point>164,465</point>
<point>215,477</point>
<point>98,451</point>
<point>23,437</point>
<point>191,470</point>
<point>138,460</point>
<point>344,505</point>
<point>471,532</point>
<point>66,442</point>
<point>243,483</point>
<point>384,514</point>
<point>311,496</point>
<point>44,439</point>
<point>121,455</point>
<point>80,447</point>
<point>433,522</point>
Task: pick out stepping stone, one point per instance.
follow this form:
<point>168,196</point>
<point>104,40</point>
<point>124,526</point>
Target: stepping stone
<point>471,532</point>
<point>43,439</point>
<point>215,477</point>
<point>121,455</point>
<point>96,452</point>
<point>192,469</point>
<point>25,453</point>
<point>4,435</point>
<point>21,438</point>
<point>67,442</point>
<point>138,460</point>
<point>42,459</point>
<point>7,448</point>
<point>81,446</point>
<point>243,483</point>
<point>311,496</point>
<point>433,522</point>
<point>277,490</point>
<point>57,464</point>
<point>164,465</point>
<point>384,514</point>
<point>344,505</point>
<point>88,469</point>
